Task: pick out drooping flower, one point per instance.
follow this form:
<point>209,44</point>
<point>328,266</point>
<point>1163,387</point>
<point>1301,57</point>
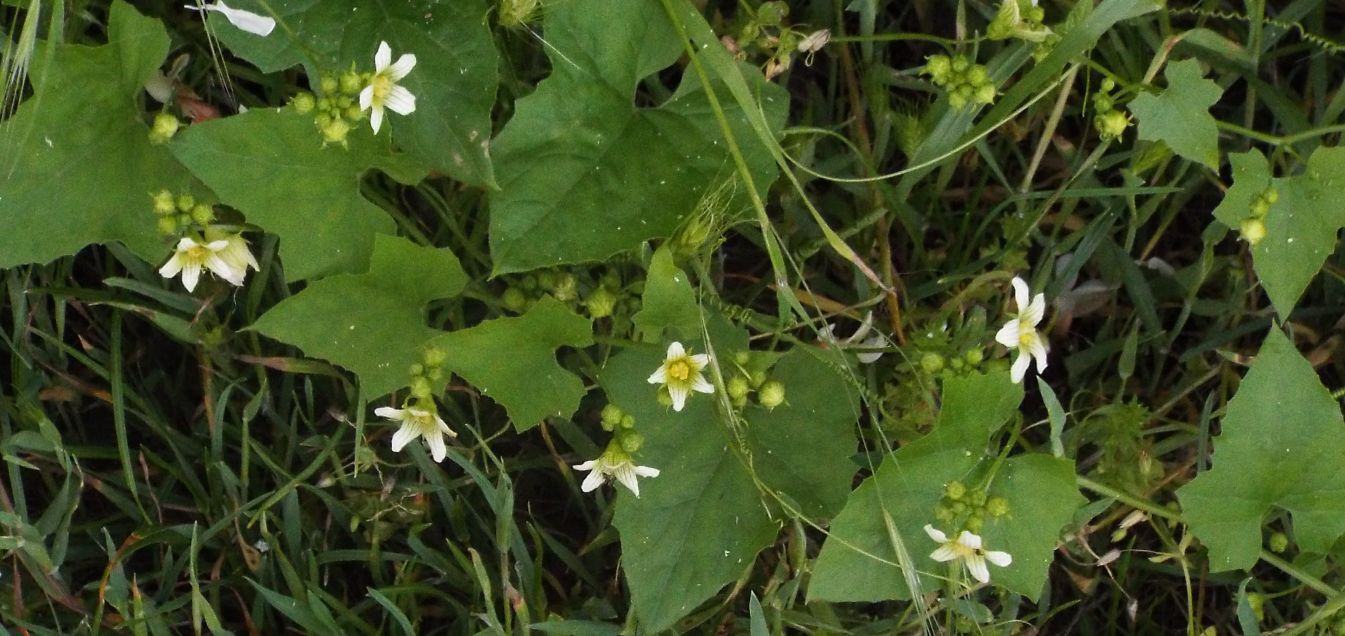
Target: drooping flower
<point>614,463</point>
<point>1021,331</point>
<point>967,548</point>
<point>191,256</point>
<point>236,252</point>
<point>383,89</point>
<point>417,422</point>
<point>253,23</point>
<point>681,374</point>
<point>828,335</point>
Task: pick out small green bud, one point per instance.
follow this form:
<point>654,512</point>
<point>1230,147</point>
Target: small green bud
<point>627,421</point>
<point>772,394</point>
<point>964,625</point>
<point>958,508</point>
<point>741,358</point>
<point>303,103</point>
<point>944,513</point>
<point>1260,207</point>
<point>610,279</point>
<point>600,303</point>
<point>738,387</point>
<point>517,12</point>
<point>997,506</point>
<point>955,490</point>
<point>435,375</point>
<point>1253,230</point>
<point>611,416</point>
<point>421,388</point>
<point>514,299</point>
<point>185,203</point>
<point>957,101</point>
<point>353,112</point>
<point>343,102</point>
<point>631,441</point>
<point>326,105</point>
<point>1037,14</point>
<point>434,357</point>
<point>958,364</point>
<point>738,402</point>
<point>183,220</point>
<point>323,120</point>
<point>978,498</point>
<point>938,67</point>
<point>974,357</point>
<point>416,369</point>
<point>985,94</point>
<point>329,84</point>
<point>975,522</point>
<point>528,283</point>
<point>1258,605</point>
<point>335,132</point>
<point>202,214</point>
<point>931,362</point>
<point>978,75</point>
<point>1103,102</point>
<point>350,83</point>
<point>1279,542</point>
<point>1108,84</point>
<point>758,378</point>
<point>168,225</point>
<point>165,126</point>
<point>164,202</point>
<point>772,13</point>
<point>1271,195</point>
<point>567,288</point>
<point>1111,124</point>
<point>961,64</point>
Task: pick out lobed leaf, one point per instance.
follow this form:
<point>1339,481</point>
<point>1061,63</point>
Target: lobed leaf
<point>1180,115</point>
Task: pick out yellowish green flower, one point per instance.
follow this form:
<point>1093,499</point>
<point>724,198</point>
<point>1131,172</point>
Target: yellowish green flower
<point>681,374</point>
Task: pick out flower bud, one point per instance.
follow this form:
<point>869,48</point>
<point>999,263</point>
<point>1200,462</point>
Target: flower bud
<point>601,303</point>
<point>1103,102</point>
<point>343,102</point>
<point>938,67</point>
<point>631,441</point>
<point>611,416</point>
<point>185,203</point>
<point>168,225</point>
<point>985,94</point>
<point>1108,84</point>
<point>202,214</point>
<point>977,75</point>
<point>997,506</point>
<point>758,378</point>
<point>335,132</point>
<point>961,64</point>
<point>627,421</point>
<point>420,387</point>
<point>567,288</point>
<point>738,388</point>
<point>183,220</point>
<point>931,362</point>
<point>514,299</point>
<point>303,103</point>
<point>815,41</point>
<point>772,13</point>
<point>974,357</point>
<point>955,490</point>
<point>1279,542</point>
<point>164,202</point>
<point>975,522</point>
<point>771,394</point>
<point>416,369</point>
<point>353,112</point>
<point>350,83</point>
<point>1271,195</point>
<point>434,357</point>
<point>165,126</point>
<point>1111,124</point>
<point>329,84</point>
<point>517,12</point>
<point>1253,230</point>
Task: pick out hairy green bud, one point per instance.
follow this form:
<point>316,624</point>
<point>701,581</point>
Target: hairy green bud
<point>164,202</point>
<point>1253,230</point>
<point>997,506</point>
<point>514,299</point>
<point>601,303</point>
<point>738,387</point>
<point>955,490</point>
<point>611,416</point>
<point>931,362</point>
<point>165,126</point>
<point>771,394</point>
<point>202,214</point>
<point>631,441</point>
<point>303,103</point>
<point>1279,542</point>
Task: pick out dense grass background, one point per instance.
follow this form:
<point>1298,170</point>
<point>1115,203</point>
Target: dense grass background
<point>163,464</point>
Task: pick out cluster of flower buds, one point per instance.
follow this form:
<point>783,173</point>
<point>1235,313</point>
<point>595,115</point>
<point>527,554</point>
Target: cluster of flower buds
<point>966,82</point>
<point>764,31</point>
<point>1253,227</point>
<point>750,379</point>
<point>201,244</point>
<point>1110,122</point>
<point>960,502</point>
<point>338,110</point>
<point>427,374</point>
<point>616,462</point>
<point>601,298</point>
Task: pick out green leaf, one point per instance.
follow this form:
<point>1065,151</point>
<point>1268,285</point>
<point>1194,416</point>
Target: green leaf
<point>78,169</point>
<point>271,166</point>
<point>372,324</point>
<point>454,79</point>
<point>700,524</point>
<point>907,487</point>
<point>1180,115</point>
<point>513,361</point>
<point>669,302</point>
<point>1301,226</point>
<point>1280,447</point>
<point>583,172</point>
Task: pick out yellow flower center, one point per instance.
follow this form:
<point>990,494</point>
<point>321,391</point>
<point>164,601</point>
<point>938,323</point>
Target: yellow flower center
<point>382,86</point>
<point>1027,335</point>
<point>197,253</point>
<point>679,370</point>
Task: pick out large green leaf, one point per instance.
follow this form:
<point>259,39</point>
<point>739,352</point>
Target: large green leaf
<point>270,165</point>
<point>1180,115</point>
<point>700,524</point>
<point>372,323</point>
<point>1302,225</point>
<point>583,172</point>
<point>1281,445</point>
<point>454,80</point>
<point>76,166</point>
<point>859,562</point>
<point>513,361</point>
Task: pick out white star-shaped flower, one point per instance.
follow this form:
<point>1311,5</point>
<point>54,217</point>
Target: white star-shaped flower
<point>191,256</point>
<point>383,89</point>
<point>1021,331</point>
<point>235,252</point>
<point>681,373</point>
<point>418,423</point>
<point>253,23</point>
<point>614,463</point>
<point>967,548</point>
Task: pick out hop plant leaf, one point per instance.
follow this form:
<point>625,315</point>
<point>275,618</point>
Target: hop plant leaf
<point>454,80</point>
<point>1180,115</point>
<point>78,171</point>
<point>1280,447</point>
<point>884,516</point>
<point>584,173</point>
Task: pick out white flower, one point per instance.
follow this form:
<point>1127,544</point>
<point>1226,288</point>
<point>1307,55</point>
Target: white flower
<point>191,256</point>
<point>967,548</point>
<point>681,373</point>
<point>245,20</point>
<point>383,89</point>
<point>814,41</point>
<point>616,464</point>
<point>828,335</point>
<point>418,423</point>
<point>1021,331</point>
<point>236,252</point>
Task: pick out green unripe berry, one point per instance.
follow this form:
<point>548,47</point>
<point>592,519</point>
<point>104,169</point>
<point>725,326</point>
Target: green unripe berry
<point>1111,124</point>
<point>627,421</point>
<point>601,303</point>
<point>421,388</point>
<point>168,225</point>
<point>738,387</point>
<point>955,490</point>
<point>164,202</point>
<point>165,126</point>
<point>1279,542</point>
<point>185,203</point>
<point>434,357</point>
<point>611,416</point>
<point>514,299</point>
<point>931,362</point>
<point>1253,230</point>
<point>985,94</point>
<point>975,522</point>
<point>1108,84</point>
<point>329,84</point>
<point>631,441</point>
<point>202,214</point>
<point>771,394</point>
<point>303,103</point>
<point>997,506</point>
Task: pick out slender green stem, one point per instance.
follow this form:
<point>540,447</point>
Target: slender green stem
<point>1280,140</point>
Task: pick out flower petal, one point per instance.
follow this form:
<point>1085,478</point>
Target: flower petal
<point>976,565</point>
<point>676,351</point>
<point>700,360</point>
<point>1038,351</point>
<point>625,474</point>
<point>679,396</point>
<point>253,23</point>
<point>400,100</point>
<point>701,385</point>
<point>191,273</point>
<point>943,554</point>
<point>1019,369</point>
<point>1002,559</point>
<point>443,426</point>
<point>660,375</point>
<point>588,465</point>
<point>935,533</point>
<point>402,437</point>
<point>172,267</point>
<point>438,450</point>
<point>376,117</point>
<point>1035,311</point>
<point>646,471</point>
<point>1008,334</point>
<point>970,540</point>
<point>403,66</point>
<point>366,98</point>
<point>594,479</point>
<point>389,412</point>
<point>1020,293</point>
<point>382,57</point>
